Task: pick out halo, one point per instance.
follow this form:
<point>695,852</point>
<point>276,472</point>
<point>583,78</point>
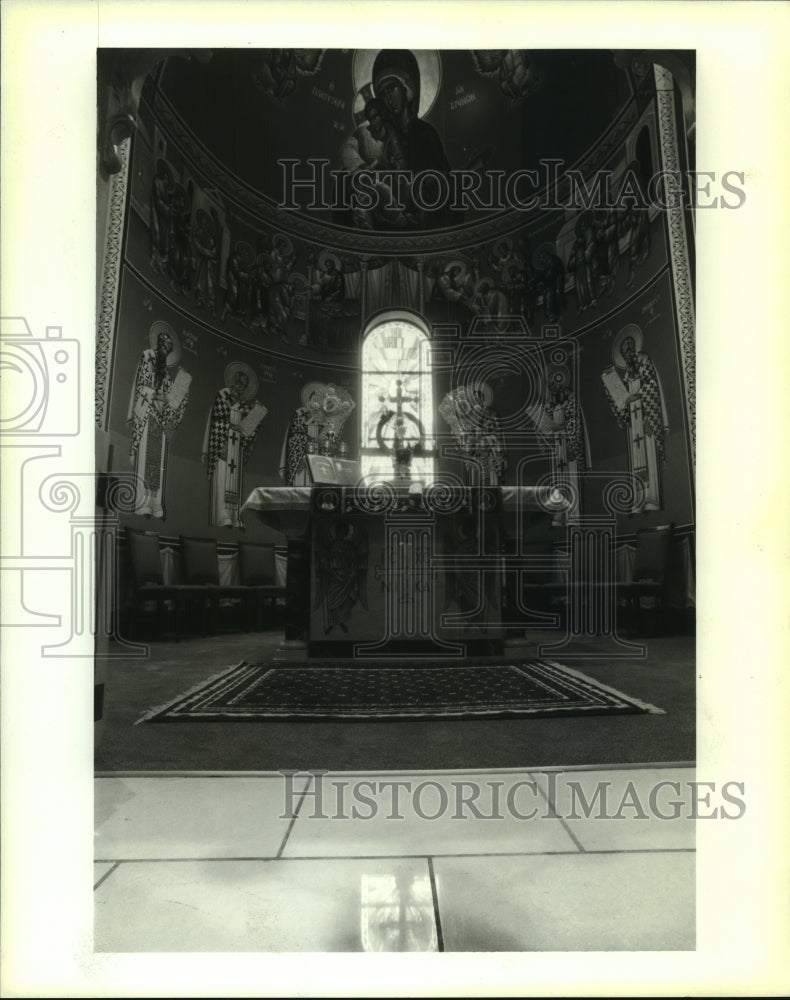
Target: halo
<point>153,335</point>
<point>282,238</point>
<point>202,216</point>
<point>309,389</point>
<point>631,330</point>
<point>428,61</point>
<point>457,263</point>
<point>160,160</point>
<point>543,251</point>
<point>484,281</point>
<point>298,281</point>
<point>241,366</point>
<point>326,255</point>
<point>511,273</point>
<point>244,252</point>
<point>505,242</point>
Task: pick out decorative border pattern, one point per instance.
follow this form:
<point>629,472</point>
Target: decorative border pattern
<point>110,282</point>
<point>250,692</point>
<point>678,252</point>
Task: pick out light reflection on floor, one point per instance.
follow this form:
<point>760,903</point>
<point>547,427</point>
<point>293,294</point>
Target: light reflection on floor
<point>210,863</point>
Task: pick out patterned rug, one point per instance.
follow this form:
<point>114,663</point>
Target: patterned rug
<point>327,692</point>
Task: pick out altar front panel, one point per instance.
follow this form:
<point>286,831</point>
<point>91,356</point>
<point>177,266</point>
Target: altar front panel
<point>405,573</point>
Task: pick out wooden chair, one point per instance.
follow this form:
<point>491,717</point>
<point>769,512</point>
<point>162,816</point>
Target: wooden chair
<point>257,572</point>
<point>148,584</point>
<point>542,588</point>
<point>650,577</point>
<point>200,574</point>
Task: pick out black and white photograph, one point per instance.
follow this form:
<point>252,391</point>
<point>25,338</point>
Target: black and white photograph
<point>364,515</point>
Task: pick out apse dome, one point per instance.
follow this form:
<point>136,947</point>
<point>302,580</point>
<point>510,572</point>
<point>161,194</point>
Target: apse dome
<point>294,134</point>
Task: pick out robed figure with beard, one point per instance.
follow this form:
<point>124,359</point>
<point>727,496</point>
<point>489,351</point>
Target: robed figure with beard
<point>563,433</point>
<point>157,407</point>
<point>230,436</point>
<point>635,395</point>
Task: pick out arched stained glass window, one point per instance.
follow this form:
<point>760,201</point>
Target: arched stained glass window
<point>397,398</point>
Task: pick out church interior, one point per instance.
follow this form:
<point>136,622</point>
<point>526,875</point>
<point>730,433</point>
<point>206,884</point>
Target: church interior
<point>395,428</point>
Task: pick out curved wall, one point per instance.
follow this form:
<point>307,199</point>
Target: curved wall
<point>572,326</point>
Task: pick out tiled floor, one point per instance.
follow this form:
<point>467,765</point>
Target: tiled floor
<point>482,861</point>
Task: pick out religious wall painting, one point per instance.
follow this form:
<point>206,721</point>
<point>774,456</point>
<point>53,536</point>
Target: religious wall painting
<point>279,71</point>
<point>206,251</point>
<point>506,284</point>
<point>562,434</point>
<point>160,394</point>
<point>231,432</point>
<point>452,281</point>
<point>333,306</point>
<point>633,388</point>
<point>340,554</point>
<point>249,278</point>
<point>189,235</point>
<point>592,258</point>
<point>315,428</point>
<point>240,286</point>
<point>395,89</point>
<point>604,249</point>
<point>171,228</point>
<point>546,282</point>
<point>474,424</point>
<point>516,71</point>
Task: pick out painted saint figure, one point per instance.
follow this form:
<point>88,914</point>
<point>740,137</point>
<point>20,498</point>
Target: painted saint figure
<point>454,283</point>
<point>329,292</point>
<point>550,273</point>
<point>315,428</point>
<point>341,570</point>
<point>302,436</point>
<point>157,406</point>
<point>475,426</point>
<point>396,82</point>
<point>229,439</point>
<point>159,215</point>
<point>634,392</point>
<point>562,430</point>
<point>491,304</point>
<point>204,246</point>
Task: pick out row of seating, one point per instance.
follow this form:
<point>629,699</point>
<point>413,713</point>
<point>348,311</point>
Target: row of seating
<point>647,593</point>
<point>198,589</point>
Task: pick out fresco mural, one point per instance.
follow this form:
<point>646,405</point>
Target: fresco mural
<point>633,388</point>
<point>159,400</point>
<point>505,198</point>
<point>229,439</point>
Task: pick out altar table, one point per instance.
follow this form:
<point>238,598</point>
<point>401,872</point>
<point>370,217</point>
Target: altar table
<point>385,571</point>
